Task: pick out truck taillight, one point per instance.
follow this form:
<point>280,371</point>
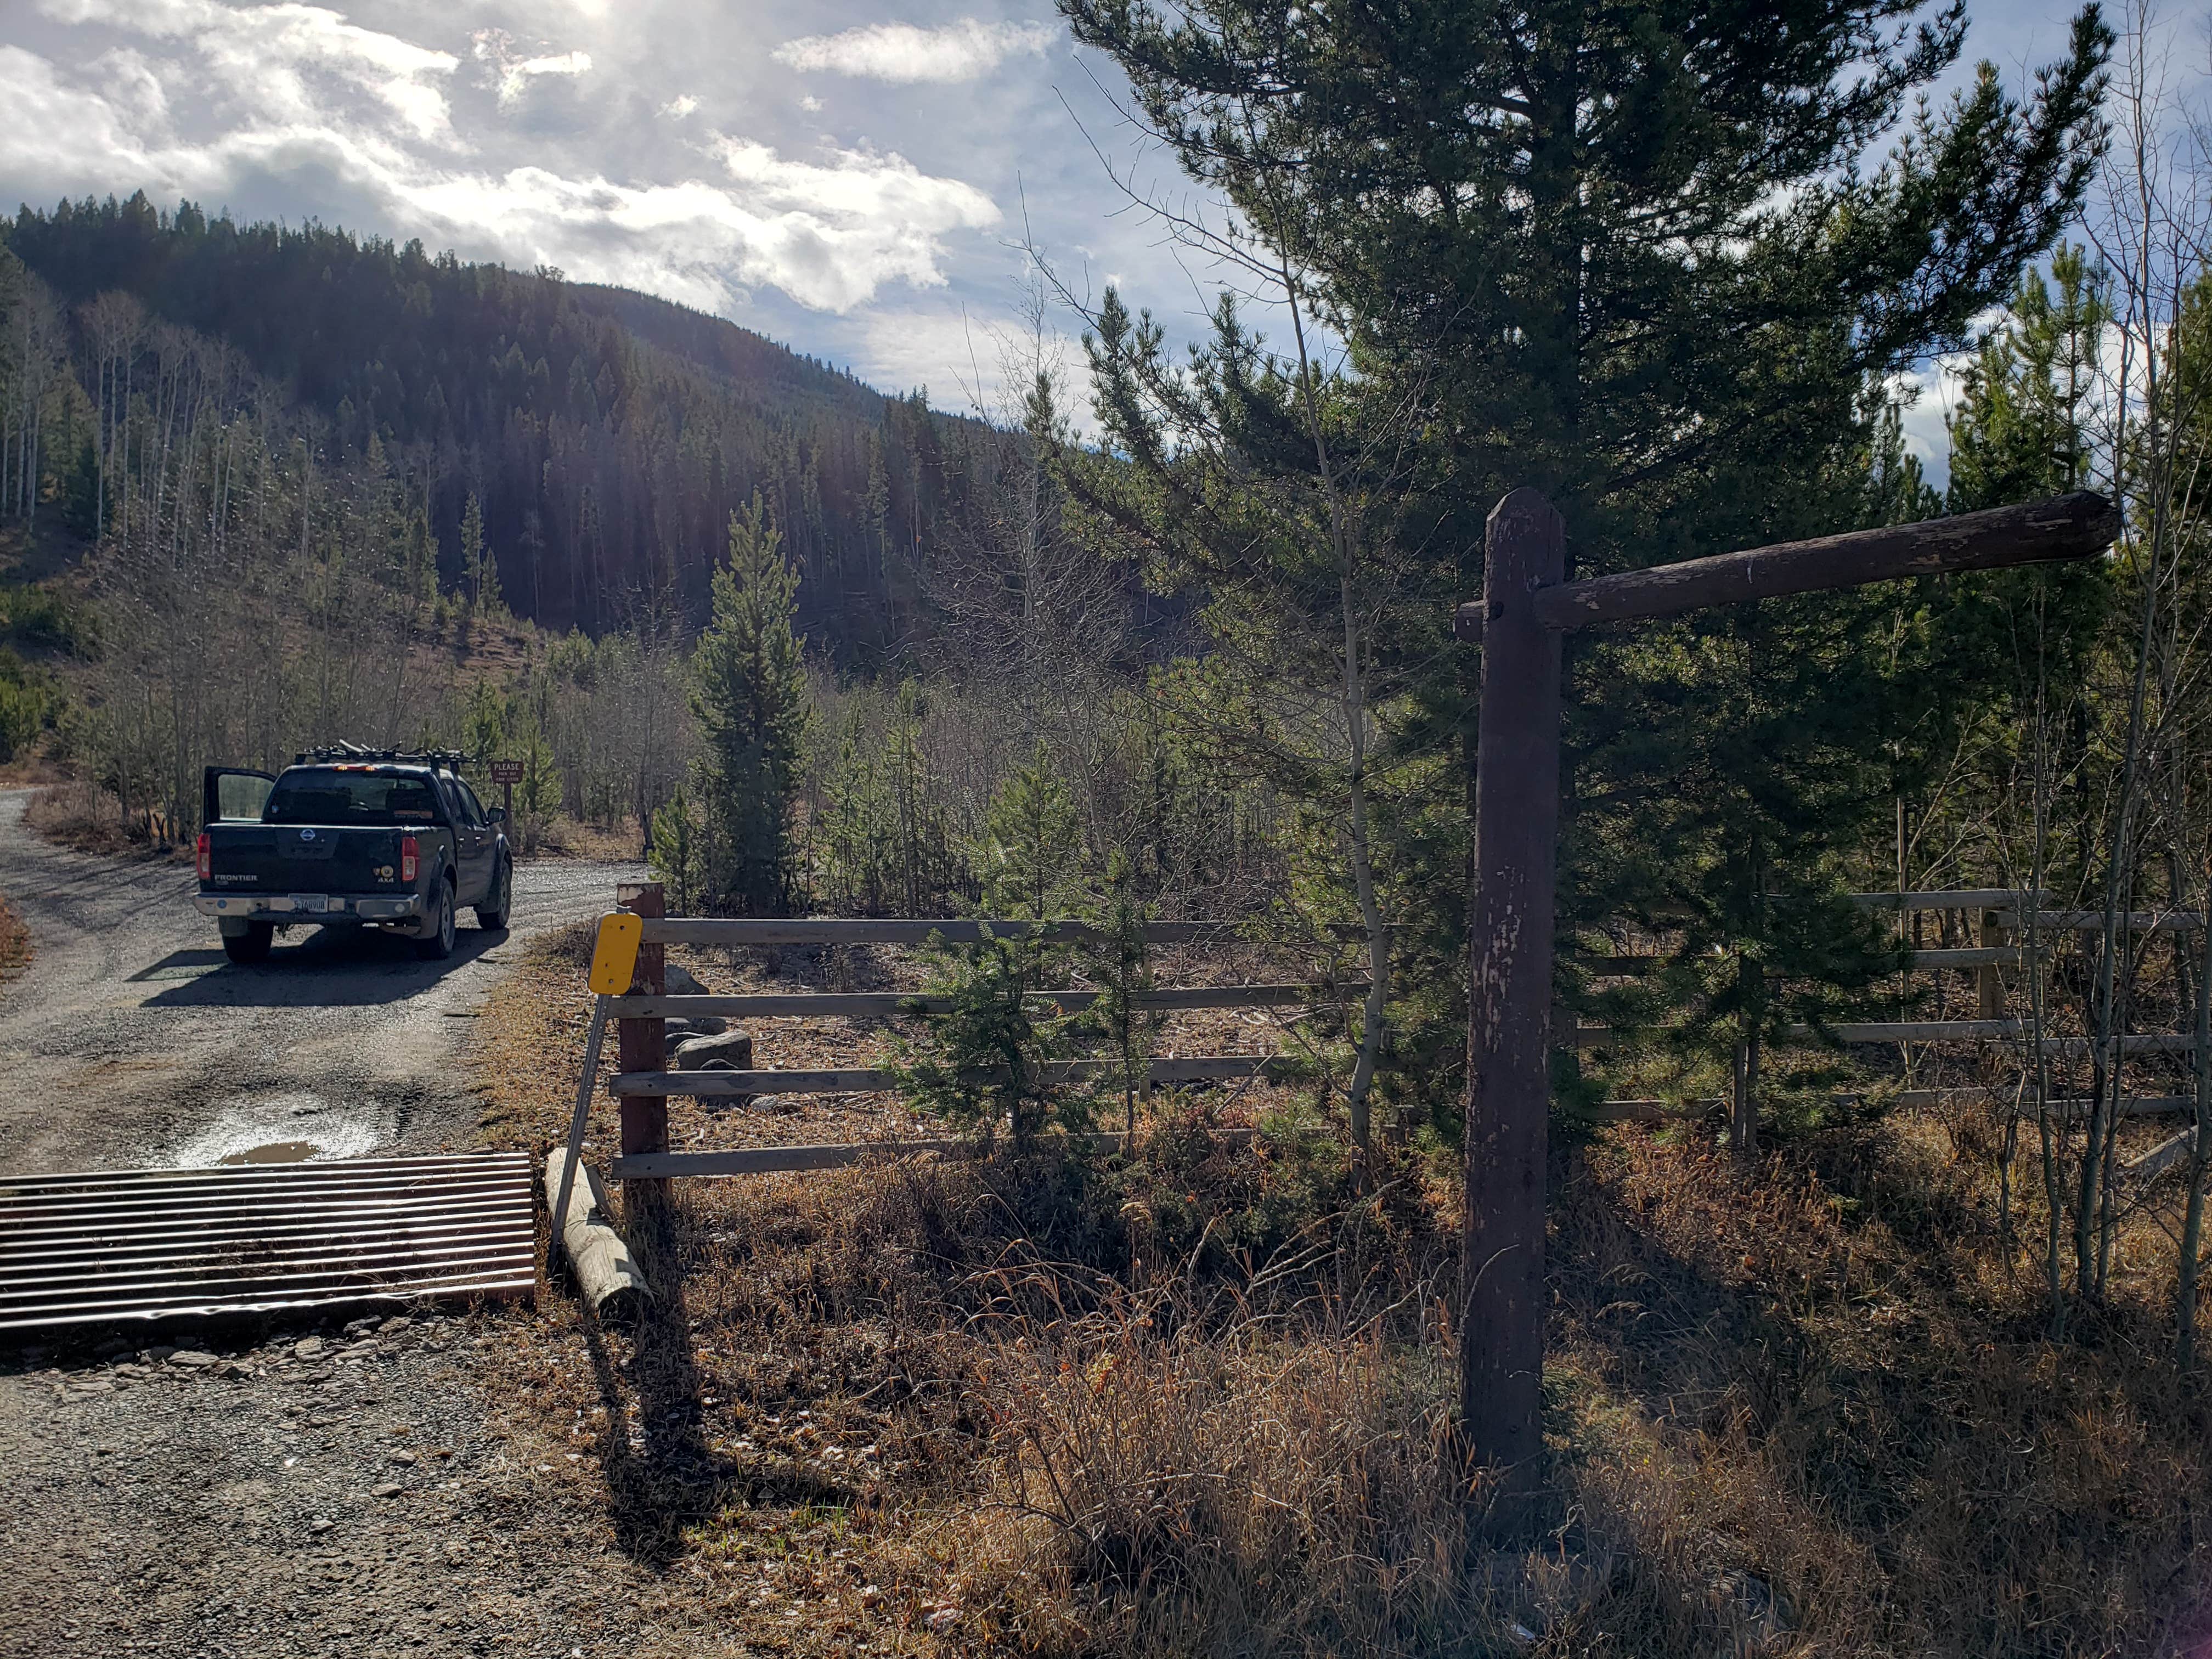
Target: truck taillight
<point>207,857</point>
<point>409,857</point>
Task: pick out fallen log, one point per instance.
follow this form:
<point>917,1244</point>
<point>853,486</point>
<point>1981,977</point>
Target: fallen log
<point>606,1273</point>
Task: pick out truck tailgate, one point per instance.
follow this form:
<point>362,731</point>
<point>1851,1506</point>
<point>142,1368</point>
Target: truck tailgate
<point>271,859</point>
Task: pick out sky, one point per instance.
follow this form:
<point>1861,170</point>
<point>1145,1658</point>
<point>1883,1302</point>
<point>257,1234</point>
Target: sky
<point>856,181</point>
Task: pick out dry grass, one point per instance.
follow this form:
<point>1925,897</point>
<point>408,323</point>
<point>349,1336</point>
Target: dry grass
<point>15,944</point>
<point>86,818</point>
<point>1803,1408</point>
<point>568,838</point>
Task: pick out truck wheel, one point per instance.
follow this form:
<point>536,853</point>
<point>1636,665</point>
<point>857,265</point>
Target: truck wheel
<point>440,943</point>
<point>492,914</point>
<point>253,944</point>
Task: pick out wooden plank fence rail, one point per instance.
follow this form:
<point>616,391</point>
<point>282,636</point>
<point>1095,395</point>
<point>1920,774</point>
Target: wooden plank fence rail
<point>952,930</point>
<point>2067,1109</point>
<point>887,1004</point>
<point>1921,1030</point>
<point>1982,955</point>
<point>1957,898</point>
<point>1197,1068</point>
<point>773,1160</point>
<point>2092,921</point>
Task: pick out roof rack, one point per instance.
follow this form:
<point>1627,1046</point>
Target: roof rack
<point>451,760</point>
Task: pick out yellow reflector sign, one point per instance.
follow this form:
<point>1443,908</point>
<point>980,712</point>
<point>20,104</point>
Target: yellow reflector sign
<point>614,960</point>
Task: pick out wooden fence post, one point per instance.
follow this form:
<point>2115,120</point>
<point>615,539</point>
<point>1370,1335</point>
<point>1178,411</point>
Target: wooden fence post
<point>643,1045</point>
<point>1516,815</point>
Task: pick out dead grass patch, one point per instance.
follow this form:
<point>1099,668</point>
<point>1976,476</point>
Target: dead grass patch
<point>85,819</point>
<point>15,944</point>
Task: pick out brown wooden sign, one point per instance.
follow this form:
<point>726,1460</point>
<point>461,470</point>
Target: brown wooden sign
<point>1519,621</point>
<point>507,771</point>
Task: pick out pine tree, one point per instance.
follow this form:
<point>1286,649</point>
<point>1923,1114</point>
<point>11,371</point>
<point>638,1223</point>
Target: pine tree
<point>1644,261</point>
<point>750,696</point>
<point>1032,844</point>
<point>2022,429</point>
<point>469,601</point>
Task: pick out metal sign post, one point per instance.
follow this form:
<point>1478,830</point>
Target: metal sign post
<point>614,964</point>
<point>1519,621</point>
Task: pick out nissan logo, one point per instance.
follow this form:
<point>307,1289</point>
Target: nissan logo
<point>307,834</point>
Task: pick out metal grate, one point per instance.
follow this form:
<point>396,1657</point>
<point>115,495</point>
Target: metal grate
<point>137,1246</point>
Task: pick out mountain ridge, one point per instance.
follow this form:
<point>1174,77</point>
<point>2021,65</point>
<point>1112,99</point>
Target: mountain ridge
<point>608,434</point>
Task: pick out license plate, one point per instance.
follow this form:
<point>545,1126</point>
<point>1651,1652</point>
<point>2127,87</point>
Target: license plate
<point>313,903</point>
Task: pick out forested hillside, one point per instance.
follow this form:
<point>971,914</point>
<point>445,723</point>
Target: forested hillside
<point>608,436</point>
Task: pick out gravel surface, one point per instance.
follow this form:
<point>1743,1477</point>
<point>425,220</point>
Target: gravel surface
<point>374,1491</point>
<point>132,1042</point>
<point>357,1495</point>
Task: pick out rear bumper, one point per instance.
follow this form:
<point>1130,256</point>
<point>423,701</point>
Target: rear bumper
<point>308,907</point>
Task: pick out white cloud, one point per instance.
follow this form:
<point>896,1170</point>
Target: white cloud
<point>810,104</point>
<point>902,52</point>
<point>284,61</point>
<point>829,230</point>
<point>679,106</point>
<point>513,74</point>
<point>830,236</point>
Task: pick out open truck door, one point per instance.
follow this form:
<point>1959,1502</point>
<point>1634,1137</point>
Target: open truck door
<point>234,794</point>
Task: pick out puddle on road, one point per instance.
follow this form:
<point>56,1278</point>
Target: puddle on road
<point>276,1152</point>
<point>290,1128</point>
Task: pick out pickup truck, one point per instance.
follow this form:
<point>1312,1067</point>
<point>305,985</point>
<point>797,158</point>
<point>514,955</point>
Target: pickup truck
<point>350,837</point>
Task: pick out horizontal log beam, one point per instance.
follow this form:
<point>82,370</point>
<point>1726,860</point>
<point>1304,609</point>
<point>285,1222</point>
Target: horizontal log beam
<point>1199,1068</point>
<point>888,1004</point>
<point>2076,526</point>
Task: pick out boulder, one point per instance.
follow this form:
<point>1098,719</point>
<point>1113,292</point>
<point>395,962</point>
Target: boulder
<point>733,1050</point>
<point>681,983</point>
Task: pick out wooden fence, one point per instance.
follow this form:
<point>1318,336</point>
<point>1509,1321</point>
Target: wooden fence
<point>644,1084</point>
<point>2004,915</point>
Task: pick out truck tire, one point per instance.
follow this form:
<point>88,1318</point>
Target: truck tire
<point>438,944</point>
<point>492,914</point>
<point>252,945</point>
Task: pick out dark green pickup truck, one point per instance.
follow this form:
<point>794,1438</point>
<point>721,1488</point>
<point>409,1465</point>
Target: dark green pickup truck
<point>347,838</point>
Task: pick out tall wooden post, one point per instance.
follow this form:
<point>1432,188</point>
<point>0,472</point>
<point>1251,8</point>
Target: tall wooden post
<point>643,1048</point>
<point>1516,817</point>
<point>1525,608</point>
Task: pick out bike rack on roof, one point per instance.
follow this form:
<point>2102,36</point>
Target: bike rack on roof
<point>450,760</point>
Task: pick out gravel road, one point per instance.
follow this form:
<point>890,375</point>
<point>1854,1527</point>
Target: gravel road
<point>133,1042</point>
<point>371,1492</point>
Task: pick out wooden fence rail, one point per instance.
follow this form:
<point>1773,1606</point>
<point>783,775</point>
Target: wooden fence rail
<point>1197,1068</point>
<point>1956,898</point>
<point>888,1004</point>
<point>1918,1030</point>
<point>773,1160</point>
<point>952,930</point>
